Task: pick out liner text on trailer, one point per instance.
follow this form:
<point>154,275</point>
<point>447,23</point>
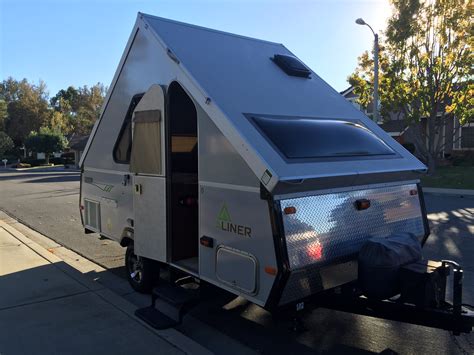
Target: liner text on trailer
<point>228,159</point>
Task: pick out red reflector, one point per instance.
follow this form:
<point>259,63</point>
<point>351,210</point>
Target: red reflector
<point>413,192</point>
<point>81,207</point>
<point>207,242</point>
<point>290,210</point>
<point>315,250</point>
<point>362,204</point>
<point>190,201</point>
<point>270,270</point>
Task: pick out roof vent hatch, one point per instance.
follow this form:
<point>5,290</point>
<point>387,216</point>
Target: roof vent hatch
<point>291,65</point>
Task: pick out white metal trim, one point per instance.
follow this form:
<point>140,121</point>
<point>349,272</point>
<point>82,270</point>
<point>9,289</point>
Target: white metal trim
<point>207,29</point>
<point>182,268</point>
<point>343,189</point>
<point>229,186</point>
<point>106,171</point>
<point>252,298</point>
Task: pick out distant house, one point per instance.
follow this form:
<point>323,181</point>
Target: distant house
<point>77,144</point>
<point>42,156</point>
<point>457,139</point>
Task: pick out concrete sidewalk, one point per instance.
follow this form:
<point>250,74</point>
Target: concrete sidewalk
<point>48,307</point>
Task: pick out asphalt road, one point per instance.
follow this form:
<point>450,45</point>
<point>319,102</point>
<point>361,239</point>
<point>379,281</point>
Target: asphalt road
<point>48,202</point>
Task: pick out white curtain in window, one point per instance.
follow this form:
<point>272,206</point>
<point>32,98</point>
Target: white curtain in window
<point>146,146</point>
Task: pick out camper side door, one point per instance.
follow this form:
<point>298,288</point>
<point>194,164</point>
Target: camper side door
<point>148,173</point>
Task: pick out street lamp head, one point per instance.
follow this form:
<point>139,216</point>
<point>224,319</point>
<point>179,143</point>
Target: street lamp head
<point>360,21</point>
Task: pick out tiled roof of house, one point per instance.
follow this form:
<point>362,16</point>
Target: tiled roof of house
<point>78,142</point>
<point>393,126</point>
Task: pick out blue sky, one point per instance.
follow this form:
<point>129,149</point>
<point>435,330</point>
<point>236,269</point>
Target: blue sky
<point>79,42</point>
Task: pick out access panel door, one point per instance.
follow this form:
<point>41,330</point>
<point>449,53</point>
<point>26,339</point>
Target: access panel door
<point>148,173</point>
<point>149,204</point>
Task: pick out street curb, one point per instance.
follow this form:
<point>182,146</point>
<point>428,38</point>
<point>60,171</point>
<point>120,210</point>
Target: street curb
<point>42,169</point>
<point>451,192</point>
<point>172,336</point>
<point>37,167</point>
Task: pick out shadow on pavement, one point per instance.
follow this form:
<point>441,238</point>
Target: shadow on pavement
<point>57,310</point>
<point>52,309</point>
<point>219,311</point>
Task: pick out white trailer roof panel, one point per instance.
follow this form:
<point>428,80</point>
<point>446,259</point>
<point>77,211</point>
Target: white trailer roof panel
<point>241,80</point>
<point>237,73</point>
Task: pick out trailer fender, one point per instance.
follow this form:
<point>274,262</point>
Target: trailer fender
<point>127,237</point>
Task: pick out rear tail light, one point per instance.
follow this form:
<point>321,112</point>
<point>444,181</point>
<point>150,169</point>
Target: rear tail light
<point>315,250</point>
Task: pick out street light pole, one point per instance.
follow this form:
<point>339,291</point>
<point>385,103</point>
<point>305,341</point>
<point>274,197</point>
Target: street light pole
<point>376,77</point>
<point>360,21</point>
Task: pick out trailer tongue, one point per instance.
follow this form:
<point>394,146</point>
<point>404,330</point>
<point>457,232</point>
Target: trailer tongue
<point>451,316</point>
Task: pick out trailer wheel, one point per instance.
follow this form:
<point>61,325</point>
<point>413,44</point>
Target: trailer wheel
<point>142,273</point>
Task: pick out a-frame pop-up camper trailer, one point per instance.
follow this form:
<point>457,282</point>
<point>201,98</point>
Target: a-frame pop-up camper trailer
<point>227,158</point>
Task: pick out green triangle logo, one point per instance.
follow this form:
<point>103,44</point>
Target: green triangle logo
<point>224,215</point>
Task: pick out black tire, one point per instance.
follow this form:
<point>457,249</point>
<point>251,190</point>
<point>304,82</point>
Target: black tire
<point>142,273</point>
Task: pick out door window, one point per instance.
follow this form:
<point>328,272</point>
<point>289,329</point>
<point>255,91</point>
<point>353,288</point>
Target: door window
<point>146,147</point>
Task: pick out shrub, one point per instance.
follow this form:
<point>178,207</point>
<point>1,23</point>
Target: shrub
<point>56,161</point>
<point>6,143</point>
<point>21,165</point>
<point>465,158</point>
<point>33,161</point>
<point>46,141</point>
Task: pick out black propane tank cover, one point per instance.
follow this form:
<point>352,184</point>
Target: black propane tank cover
<point>380,260</point>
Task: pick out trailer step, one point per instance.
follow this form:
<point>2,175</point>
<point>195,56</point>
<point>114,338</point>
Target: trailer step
<point>172,294</point>
<point>155,318</point>
<point>180,299</point>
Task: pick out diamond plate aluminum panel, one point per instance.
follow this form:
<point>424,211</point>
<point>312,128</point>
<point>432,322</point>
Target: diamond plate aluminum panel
<point>312,279</point>
<point>302,283</point>
<point>328,228</point>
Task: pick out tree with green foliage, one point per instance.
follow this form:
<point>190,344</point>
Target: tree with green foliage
<point>3,114</point>
<point>80,107</point>
<point>46,141</point>
<point>426,70</point>
<point>6,143</point>
<point>27,107</point>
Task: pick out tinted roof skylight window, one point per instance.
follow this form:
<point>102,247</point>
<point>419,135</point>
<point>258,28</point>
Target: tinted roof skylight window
<point>306,138</point>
